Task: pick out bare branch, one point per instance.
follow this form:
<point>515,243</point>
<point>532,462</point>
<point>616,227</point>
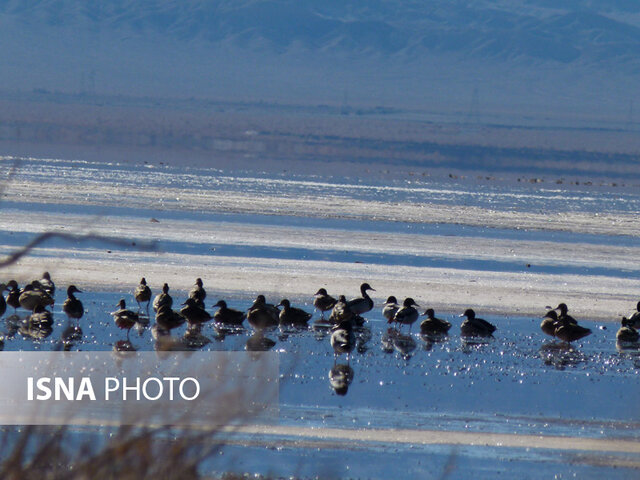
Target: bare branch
<point>70,237</point>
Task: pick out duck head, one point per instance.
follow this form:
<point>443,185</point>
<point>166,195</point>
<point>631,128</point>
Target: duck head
<point>121,304</point>
<point>284,303</point>
<point>221,304</point>
<point>165,288</point>
<point>469,313</point>
<point>409,302</point>
<point>429,313</point>
<point>562,308</point>
<point>364,287</point>
<point>321,292</point>
<point>73,289</point>
<point>391,300</point>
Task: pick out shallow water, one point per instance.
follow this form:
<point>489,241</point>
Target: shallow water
<point>519,382</point>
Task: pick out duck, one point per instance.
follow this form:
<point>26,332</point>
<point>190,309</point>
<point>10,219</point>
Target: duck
<point>30,297</point>
<point>124,318</point>
<point>475,327</point>
<point>341,311</point>
<point>343,340</point>
<point>627,334</point>
<point>323,301</point>
<point>13,297</point>
<point>634,318</point>
<point>362,304</point>
<point>569,331</point>
<point>261,303</point>
<point>163,299</point>
<point>549,323</point>
<point>47,284</point>
<point>291,315</point>
<point>432,325</point>
<point>142,294</point>
<point>198,293</point>
<point>168,319</point>
<point>194,313</point>
<point>262,315</point>
<point>407,314</point>
<point>390,308</point>
<point>72,306</point>
<point>228,316</point>
<point>3,302</point>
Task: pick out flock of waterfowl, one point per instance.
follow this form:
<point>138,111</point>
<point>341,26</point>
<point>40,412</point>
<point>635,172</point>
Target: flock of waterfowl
<point>344,316</point>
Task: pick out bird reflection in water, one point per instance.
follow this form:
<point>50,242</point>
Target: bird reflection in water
<point>13,323</point>
<point>193,338</point>
<point>404,344</point>
<point>340,377</point>
<point>561,355</point>
<point>70,336</point>
<point>395,341</point>
<point>124,347</point>
<point>257,342</point>
<point>472,344</point>
<point>35,331</point>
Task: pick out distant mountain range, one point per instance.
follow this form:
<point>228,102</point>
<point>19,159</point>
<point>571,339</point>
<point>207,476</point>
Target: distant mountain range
<point>365,50</point>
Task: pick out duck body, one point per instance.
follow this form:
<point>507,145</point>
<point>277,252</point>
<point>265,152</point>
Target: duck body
<point>390,308</point>
<point>627,334</point>
<point>291,315</point>
<point>341,311</point>
<point>570,332</point>
<point>343,340</point>
<point>13,297</point>
<point>72,306</point>
<point>475,327</point>
<point>549,323</point>
<point>163,299</point>
<point>30,297</point>
<point>168,319</point>
<point>228,316</point>
<point>123,317</point>
<point>362,304</point>
<point>142,293</point>
<point>407,314</point>
<point>434,326</point>
<point>47,284</point>
<point>323,301</point>
<point>194,313</point>
<point>198,293</point>
<point>3,302</point>
<point>261,303</point>
<point>567,328</point>
<point>261,318</point>
<point>634,318</point>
